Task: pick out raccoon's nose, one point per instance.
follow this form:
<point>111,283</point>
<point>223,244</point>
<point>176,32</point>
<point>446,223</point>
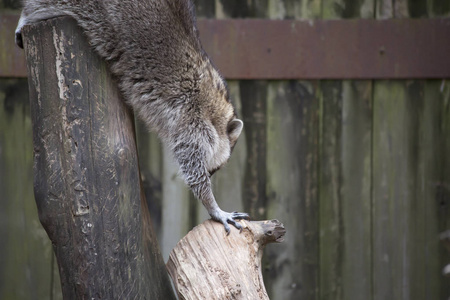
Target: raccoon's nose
<point>213,171</point>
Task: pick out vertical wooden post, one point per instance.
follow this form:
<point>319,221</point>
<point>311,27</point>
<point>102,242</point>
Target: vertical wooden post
<point>87,182</point>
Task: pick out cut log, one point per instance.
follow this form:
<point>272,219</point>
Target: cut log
<point>208,264</point>
<point>86,175</point>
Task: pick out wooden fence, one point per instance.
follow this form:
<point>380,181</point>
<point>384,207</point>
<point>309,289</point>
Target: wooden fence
<point>357,170</point>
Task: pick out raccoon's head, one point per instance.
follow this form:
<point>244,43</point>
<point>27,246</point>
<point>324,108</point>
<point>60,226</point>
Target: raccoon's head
<point>221,148</point>
<point>226,127</point>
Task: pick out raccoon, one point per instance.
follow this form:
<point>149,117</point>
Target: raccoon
<point>153,49</point>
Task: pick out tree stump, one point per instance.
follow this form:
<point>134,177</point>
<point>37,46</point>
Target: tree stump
<point>86,175</point>
<point>208,264</point>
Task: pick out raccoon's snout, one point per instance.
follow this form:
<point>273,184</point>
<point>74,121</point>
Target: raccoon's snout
<point>211,173</point>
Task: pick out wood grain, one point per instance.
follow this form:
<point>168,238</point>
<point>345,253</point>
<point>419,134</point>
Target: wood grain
<point>209,264</point>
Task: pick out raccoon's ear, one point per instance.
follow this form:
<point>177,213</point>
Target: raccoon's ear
<point>234,129</point>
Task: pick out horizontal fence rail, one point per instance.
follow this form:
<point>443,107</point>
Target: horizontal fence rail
<point>291,49</point>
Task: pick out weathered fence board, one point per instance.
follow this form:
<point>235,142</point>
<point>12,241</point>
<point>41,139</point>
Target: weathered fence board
<point>356,154</point>
<point>150,162</point>
<point>292,158</point>
<point>400,200</point>
<point>345,176</point>
<point>292,174</point>
<point>26,253</point>
<point>442,196</point>
<point>431,103</point>
<point>392,141</point>
<point>406,143</point>
<point>175,204</point>
<point>344,193</point>
<point>254,115</point>
<point>330,197</point>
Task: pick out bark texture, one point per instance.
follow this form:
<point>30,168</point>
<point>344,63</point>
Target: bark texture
<point>86,177</point>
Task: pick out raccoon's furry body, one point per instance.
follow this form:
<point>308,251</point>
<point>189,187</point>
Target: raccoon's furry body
<point>153,49</point>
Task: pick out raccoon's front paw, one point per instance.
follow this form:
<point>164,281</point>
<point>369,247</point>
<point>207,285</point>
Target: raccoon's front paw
<point>226,217</point>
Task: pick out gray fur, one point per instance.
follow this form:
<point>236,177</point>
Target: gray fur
<point>152,47</point>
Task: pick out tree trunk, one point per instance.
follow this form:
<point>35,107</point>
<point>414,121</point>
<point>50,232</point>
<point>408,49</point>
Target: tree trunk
<point>86,175</point>
<point>208,264</point>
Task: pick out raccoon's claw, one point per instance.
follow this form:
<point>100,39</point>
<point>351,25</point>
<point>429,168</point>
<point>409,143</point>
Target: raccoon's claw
<point>239,216</point>
<point>229,218</point>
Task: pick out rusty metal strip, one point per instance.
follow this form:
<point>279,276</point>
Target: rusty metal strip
<point>337,49</point>
<point>289,49</point>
